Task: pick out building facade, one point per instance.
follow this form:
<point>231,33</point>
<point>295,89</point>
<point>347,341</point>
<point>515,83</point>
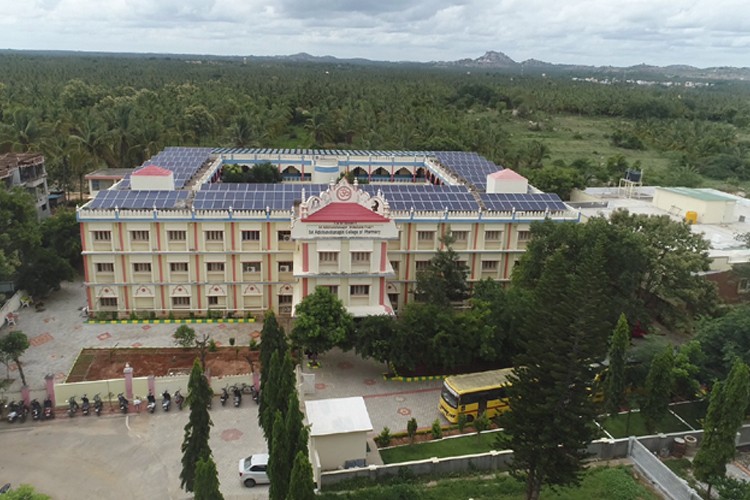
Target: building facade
<point>26,170</point>
<point>171,238</point>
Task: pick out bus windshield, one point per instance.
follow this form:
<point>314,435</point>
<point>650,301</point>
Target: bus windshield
<point>449,396</point>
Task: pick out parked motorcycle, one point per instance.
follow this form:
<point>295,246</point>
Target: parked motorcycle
<point>14,411</point>
<point>151,402</point>
<point>49,412</point>
<point>36,410</point>
<point>72,406</point>
<point>24,412</point>
<point>237,392</point>
<point>224,396</point>
<point>166,400</point>
<point>256,394</point>
<point>123,403</point>
<point>85,405</point>
<point>178,399</point>
<point>98,405</point>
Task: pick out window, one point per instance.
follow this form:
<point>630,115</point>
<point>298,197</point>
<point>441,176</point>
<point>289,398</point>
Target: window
<point>215,267</point>
<point>285,267</point>
<point>102,235</point>
<point>425,235</point>
<point>285,235</point>
<point>360,257</point>
<point>105,267</point>
<point>743,286</point>
<point>250,235</point>
<point>108,301</point>
<point>139,235</point>
<point>177,235</point>
<point>214,235</point>
<point>423,265</point>
<point>178,267</point>
<point>489,265</point>
<point>328,257</point>
<point>461,235</point>
<point>180,301</point>
<point>524,235</point>
<point>251,267</point>
<point>493,235</point>
<point>142,267</point>
<point>334,289</point>
<point>285,299</point>
<point>395,264</point>
<point>95,185</point>
<point>359,290</point>
<point>213,301</point>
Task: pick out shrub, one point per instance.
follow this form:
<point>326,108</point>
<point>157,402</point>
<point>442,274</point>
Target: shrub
<point>384,438</point>
<point>254,346</point>
<point>461,422</point>
<point>411,428</point>
<point>437,430</point>
<point>481,423</point>
<point>170,316</point>
<point>231,341</point>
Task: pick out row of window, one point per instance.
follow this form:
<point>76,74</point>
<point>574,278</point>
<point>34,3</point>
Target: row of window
<point>141,235</point>
<point>251,235</point>
<point>354,291</point>
<point>283,267</point>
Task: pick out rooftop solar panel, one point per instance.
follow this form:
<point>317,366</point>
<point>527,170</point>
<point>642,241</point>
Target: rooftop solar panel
<point>531,202</point>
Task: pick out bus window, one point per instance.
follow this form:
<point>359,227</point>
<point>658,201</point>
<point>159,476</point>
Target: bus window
<point>449,397</point>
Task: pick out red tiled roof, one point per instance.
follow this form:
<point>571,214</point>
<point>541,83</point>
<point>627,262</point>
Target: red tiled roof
<point>508,174</point>
<point>153,170</point>
<point>345,212</point>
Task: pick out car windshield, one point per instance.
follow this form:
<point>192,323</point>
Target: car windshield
<point>449,396</point>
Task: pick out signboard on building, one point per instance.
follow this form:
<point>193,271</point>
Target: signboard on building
<point>344,230</point>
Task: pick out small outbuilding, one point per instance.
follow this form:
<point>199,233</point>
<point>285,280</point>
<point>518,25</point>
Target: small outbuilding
<point>338,433</point>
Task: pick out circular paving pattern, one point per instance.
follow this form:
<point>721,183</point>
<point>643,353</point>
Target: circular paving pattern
<point>370,381</point>
<point>404,411</point>
<point>400,399</point>
<point>320,386</point>
<point>146,328</point>
<point>231,434</point>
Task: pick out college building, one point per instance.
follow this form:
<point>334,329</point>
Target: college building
<point>171,238</point>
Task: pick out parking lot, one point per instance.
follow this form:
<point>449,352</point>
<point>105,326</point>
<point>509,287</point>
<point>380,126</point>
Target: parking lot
<point>139,455</point>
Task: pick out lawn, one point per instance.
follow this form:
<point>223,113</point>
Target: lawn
<point>611,483</point>
<point>619,426</point>
<point>453,447</point>
<point>693,412</point>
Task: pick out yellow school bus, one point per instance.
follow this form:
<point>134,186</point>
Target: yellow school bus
<point>475,393</point>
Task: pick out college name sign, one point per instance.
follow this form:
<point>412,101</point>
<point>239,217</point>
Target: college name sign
<point>344,231</point>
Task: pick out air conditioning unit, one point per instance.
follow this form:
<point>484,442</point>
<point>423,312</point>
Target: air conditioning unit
<point>283,269</point>
<point>287,237</point>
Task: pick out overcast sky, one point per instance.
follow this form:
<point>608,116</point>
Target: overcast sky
<point>601,32</point>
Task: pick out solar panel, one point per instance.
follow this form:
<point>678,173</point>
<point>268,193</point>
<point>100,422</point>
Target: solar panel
<point>526,202</point>
<point>137,200</point>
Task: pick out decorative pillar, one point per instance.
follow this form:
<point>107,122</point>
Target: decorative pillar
<point>128,372</point>
<point>152,384</point>
<point>25,395</point>
<point>49,379</point>
<point>256,377</point>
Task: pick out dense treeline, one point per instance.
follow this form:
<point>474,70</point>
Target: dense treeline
<point>86,112</point>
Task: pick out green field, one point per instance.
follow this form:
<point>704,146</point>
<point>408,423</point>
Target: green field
<point>620,426</point>
<point>610,483</point>
<point>453,447</point>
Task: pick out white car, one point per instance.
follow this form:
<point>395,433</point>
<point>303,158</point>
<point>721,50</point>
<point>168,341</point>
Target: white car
<point>253,470</point>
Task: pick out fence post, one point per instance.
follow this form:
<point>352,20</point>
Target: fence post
<point>49,379</point>
<point>128,372</point>
<point>152,385</point>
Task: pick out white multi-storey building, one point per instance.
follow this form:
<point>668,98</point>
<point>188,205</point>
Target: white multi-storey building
<point>172,238</point>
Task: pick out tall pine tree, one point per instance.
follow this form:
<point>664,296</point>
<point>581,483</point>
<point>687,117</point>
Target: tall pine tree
<point>207,481</point>
<point>551,414</point>
<point>195,444</point>
<point>279,466</point>
<point>276,396</point>
<point>658,395</point>
<point>726,411</point>
<point>614,385</point>
<point>272,340</point>
<point>301,484</point>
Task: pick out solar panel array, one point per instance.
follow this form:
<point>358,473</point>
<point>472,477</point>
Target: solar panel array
<point>184,162</point>
<point>253,196</point>
<point>469,166</point>
<point>423,197</point>
<point>318,152</point>
<point>137,200</point>
<point>528,202</point>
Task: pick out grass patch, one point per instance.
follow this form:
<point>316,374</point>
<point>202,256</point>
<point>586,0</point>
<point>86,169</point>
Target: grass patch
<point>680,466</point>
<point>81,368</point>
<point>619,426</point>
<point>465,445</point>
<point>693,413</point>
<point>615,483</point>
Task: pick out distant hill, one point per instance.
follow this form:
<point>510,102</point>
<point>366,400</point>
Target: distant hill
<point>490,61</point>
